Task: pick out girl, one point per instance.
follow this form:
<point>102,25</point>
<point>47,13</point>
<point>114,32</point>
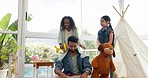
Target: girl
<point>67,28</point>
<point>106,35</point>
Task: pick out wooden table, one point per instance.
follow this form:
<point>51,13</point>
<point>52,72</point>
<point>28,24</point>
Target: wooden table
<point>38,63</point>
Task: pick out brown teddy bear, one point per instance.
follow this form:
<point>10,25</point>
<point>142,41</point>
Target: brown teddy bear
<point>102,63</point>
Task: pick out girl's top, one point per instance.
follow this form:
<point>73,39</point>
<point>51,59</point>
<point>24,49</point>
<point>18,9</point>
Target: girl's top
<point>103,35</point>
<point>64,34</point>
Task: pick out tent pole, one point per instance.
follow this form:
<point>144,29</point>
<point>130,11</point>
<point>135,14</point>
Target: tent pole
<point>117,11</point>
<point>122,13</point>
<point>126,9</point>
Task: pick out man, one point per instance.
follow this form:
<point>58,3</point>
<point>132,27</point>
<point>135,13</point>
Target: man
<point>73,61</point>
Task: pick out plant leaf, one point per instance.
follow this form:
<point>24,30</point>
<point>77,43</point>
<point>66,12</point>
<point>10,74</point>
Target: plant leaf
<point>1,38</point>
<point>5,21</point>
<point>14,36</point>
<point>4,57</point>
<point>6,38</point>
<point>29,17</point>
<point>13,26</point>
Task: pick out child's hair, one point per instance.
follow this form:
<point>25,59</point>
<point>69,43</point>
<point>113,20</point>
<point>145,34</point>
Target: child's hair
<point>107,18</point>
<point>72,23</point>
<point>73,39</point>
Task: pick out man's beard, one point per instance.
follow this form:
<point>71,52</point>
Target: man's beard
<point>72,51</point>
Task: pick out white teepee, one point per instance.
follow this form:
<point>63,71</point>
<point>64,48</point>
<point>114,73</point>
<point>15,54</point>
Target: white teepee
<point>134,52</point>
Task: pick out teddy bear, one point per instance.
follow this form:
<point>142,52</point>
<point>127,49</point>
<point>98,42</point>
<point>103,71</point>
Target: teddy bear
<point>102,64</point>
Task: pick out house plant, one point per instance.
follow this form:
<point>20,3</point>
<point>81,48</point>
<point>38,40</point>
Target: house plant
<point>8,43</point>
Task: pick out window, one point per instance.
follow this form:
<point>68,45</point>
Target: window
<point>12,9</point>
<point>93,10</point>
<point>8,32</point>
<point>34,48</point>
<point>47,14</point>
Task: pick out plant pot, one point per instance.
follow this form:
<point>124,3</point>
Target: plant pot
<point>3,73</point>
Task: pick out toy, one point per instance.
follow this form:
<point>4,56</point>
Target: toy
<point>46,54</point>
<point>102,64</point>
<point>35,58</point>
<point>59,50</point>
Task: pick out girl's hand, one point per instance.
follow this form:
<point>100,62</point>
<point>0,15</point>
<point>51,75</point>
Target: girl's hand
<point>83,47</point>
<point>115,75</point>
<point>99,44</point>
<point>61,46</point>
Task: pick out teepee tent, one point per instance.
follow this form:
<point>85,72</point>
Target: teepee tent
<point>134,52</point>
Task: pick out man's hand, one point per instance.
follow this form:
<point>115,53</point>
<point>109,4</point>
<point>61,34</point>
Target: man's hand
<point>60,73</point>
<point>84,75</point>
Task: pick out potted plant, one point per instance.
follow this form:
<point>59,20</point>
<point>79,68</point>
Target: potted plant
<point>8,43</point>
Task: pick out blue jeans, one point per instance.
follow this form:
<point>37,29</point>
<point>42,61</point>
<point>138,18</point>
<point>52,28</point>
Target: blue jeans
<point>111,74</point>
<point>111,71</point>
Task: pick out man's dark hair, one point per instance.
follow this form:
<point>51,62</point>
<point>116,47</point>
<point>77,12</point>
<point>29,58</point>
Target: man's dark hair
<point>73,39</point>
